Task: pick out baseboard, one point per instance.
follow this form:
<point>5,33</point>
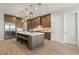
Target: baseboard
<point>58,41</point>
<point>69,42</point>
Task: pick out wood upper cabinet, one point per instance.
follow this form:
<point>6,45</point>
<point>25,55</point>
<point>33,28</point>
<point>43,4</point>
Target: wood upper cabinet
<point>33,23</point>
<point>46,21</point>
<point>10,19</point>
<point>13,20</point>
<point>37,20</point>
<point>7,18</point>
<point>19,24</point>
<point>43,20</point>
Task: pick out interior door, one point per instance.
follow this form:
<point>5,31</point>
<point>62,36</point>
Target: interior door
<point>70,28</point>
<point>57,26</point>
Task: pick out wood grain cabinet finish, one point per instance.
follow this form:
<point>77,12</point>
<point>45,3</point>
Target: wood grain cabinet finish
<point>46,21</point>
<point>18,23</point>
<point>38,21</point>
<point>47,35</point>
<point>35,41</point>
<point>7,18</point>
<point>13,19</point>
<point>43,21</point>
<point>32,41</point>
<point>33,23</point>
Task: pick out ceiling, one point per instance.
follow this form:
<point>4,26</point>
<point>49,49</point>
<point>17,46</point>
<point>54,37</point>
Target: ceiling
<point>23,9</point>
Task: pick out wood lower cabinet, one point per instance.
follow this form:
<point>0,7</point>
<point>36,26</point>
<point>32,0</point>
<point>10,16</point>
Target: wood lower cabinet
<point>47,35</point>
<point>32,41</point>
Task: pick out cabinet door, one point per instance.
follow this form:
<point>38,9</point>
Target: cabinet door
<point>43,21</point>
<point>38,21</point>
<point>33,23</point>
<point>18,23</point>
<point>47,35</point>
<point>10,19</point>
<point>13,20</point>
<point>46,21</point>
<point>7,18</point>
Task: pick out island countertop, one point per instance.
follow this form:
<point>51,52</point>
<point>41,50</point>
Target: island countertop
<point>30,33</point>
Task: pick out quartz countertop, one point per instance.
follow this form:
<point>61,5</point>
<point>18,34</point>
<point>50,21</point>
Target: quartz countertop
<point>30,33</point>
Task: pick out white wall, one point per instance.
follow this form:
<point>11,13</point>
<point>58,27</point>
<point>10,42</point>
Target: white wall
<point>1,26</point>
<point>54,22</point>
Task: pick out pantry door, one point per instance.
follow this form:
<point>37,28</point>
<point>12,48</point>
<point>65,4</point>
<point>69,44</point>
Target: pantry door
<point>70,32</point>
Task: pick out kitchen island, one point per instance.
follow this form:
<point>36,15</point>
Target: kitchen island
<point>32,39</point>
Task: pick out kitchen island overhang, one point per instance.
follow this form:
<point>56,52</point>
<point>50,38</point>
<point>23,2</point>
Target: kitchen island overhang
<point>32,39</point>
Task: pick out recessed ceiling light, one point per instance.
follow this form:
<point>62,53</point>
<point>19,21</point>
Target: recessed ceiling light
<point>31,15</point>
<point>44,12</point>
<point>17,15</point>
<point>36,8</point>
